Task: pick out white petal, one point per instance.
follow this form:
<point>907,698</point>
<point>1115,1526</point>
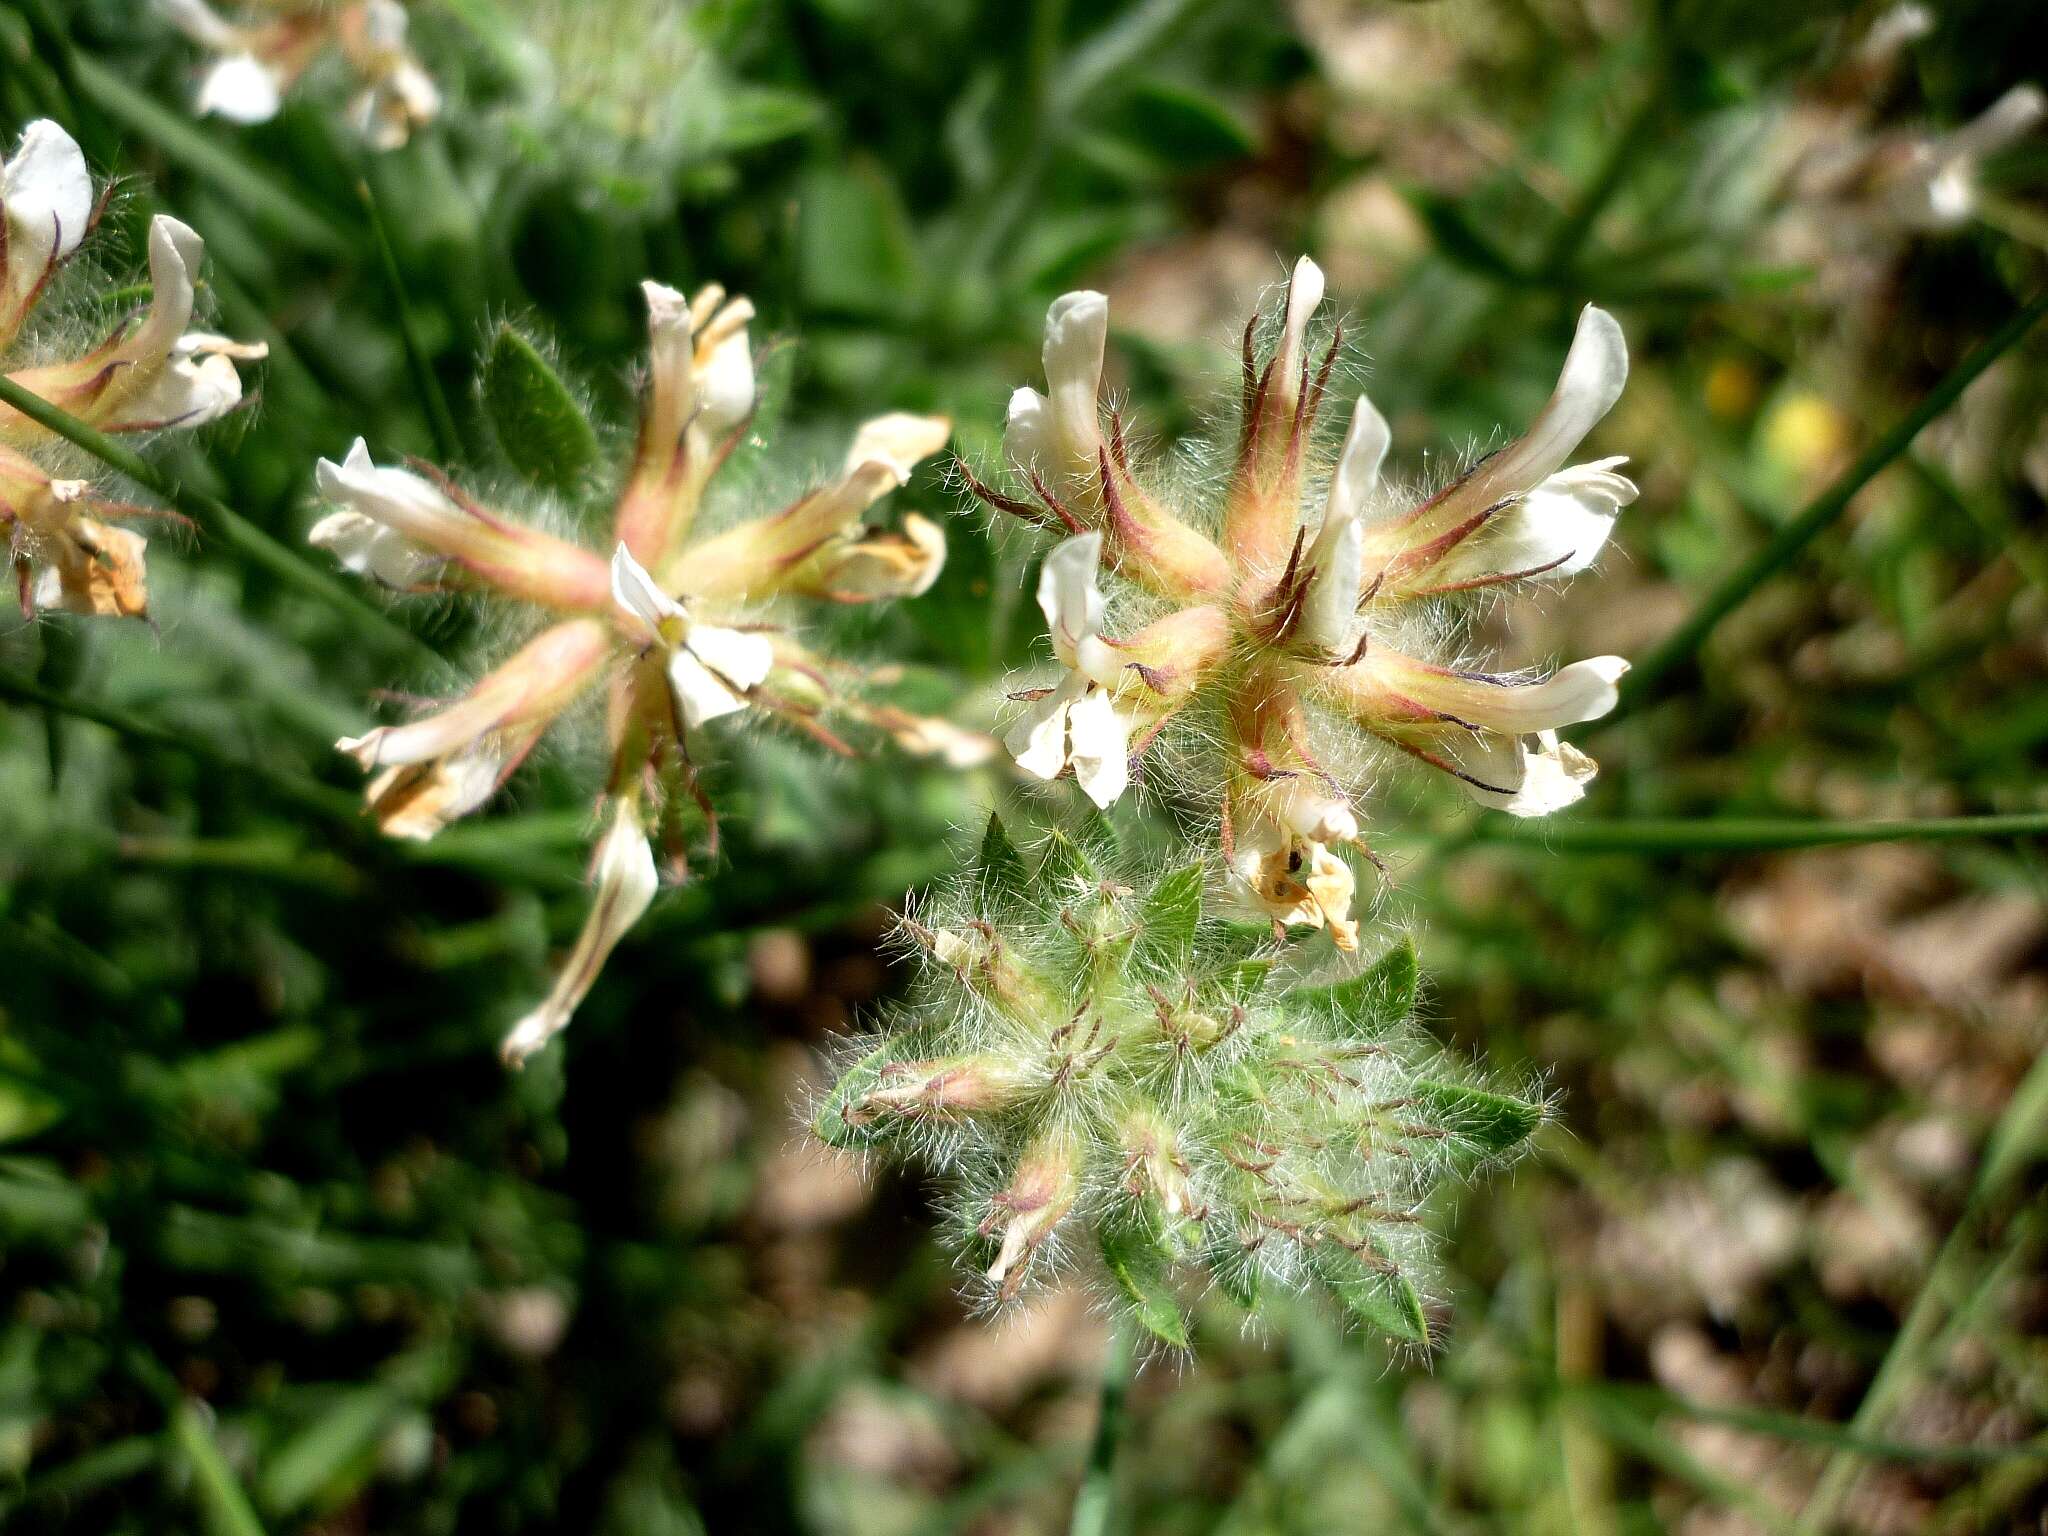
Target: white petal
<point>1595,370</point>
<point>368,548</point>
<point>1038,741</point>
<point>1530,782</point>
<point>1358,466</point>
<point>626,883</point>
<point>384,23</point>
<point>1101,748</point>
<point>1304,293</point>
<point>1311,811</point>
<point>725,385</point>
<point>397,498</point>
<point>240,88</point>
<point>1068,594</point>
<point>2009,118</point>
<point>47,195</point>
<point>1027,433</point>
<point>1558,529</point>
<point>175,252</point>
<point>187,393</point>
<point>701,692</point>
<point>900,441</point>
<point>1076,335</point>
<point>742,659</point>
<point>1585,690</point>
<point>1335,561</point>
<point>636,594</point>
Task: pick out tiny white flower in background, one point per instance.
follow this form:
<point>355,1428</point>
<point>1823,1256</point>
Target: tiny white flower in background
<point>1076,724</point>
<point>1942,188</point>
<point>46,198</point>
<point>242,89</point>
<point>626,883</point>
<point>400,95</point>
<point>711,668</point>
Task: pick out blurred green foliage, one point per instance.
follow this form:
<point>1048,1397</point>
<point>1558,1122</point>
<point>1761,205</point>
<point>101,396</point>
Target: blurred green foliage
<point>284,1247</point>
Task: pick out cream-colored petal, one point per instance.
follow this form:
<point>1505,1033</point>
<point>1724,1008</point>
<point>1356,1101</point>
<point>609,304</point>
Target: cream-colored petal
<point>626,883</point>
<point>1358,467</point>
<point>1304,294</point>
<point>46,197</point>
<point>1076,337</point>
<point>741,658</point>
<point>1027,430</point>
<point>1329,607</point>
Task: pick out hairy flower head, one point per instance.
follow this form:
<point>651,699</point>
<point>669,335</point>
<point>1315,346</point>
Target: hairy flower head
<point>675,628</point>
<point>151,372</point>
<point>1116,1083</point>
<point>1302,611</point>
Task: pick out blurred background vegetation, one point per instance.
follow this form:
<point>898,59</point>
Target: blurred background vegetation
<point>285,1249</point>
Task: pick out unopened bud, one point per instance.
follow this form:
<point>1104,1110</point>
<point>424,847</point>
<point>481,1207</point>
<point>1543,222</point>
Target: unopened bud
<point>949,1088</point>
<point>1041,1193</point>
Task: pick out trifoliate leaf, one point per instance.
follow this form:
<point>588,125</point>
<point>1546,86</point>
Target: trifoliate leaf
<point>1138,1264</point>
<point>540,427</point>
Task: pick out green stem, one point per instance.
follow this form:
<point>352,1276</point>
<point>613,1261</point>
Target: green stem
<point>447,441</point>
<point>1095,1502</point>
<point>227,1506</point>
<point>2015,1141</point>
<point>1657,673</point>
<point>216,518</point>
<point>1563,247</point>
<point>1745,834</point>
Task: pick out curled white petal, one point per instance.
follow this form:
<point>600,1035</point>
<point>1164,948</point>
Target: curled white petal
<point>1557,530</point>
<point>725,385</point>
<point>1076,337</point>
<point>1358,466</point>
<point>636,594</point>
<point>1528,781</point>
<point>743,659</point>
<point>396,498</point>
<point>175,252</point>
<point>899,442</point>
<point>1585,690</point>
<point>1069,594</point>
<point>626,883</point>
<point>1594,372</point>
<point>46,195</point>
<point>366,547</point>
<point>1027,430</point>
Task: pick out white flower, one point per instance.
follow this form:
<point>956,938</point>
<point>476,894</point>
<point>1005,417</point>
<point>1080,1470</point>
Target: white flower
<point>1941,190</point>
<point>1077,723</point>
<point>1294,880</point>
<point>626,883</point>
<point>709,667</point>
<point>188,378</point>
<point>1061,431</point>
<point>701,366</point>
<point>240,88</point>
<point>1485,728</point>
<point>396,526</point>
<point>400,95</point>
<point>46,199</point>
<point>1530,775</point>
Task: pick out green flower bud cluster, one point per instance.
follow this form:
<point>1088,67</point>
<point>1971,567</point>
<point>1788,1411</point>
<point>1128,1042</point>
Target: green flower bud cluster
<point>1119,1081</point>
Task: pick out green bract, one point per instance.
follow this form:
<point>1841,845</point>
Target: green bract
<point>1118,1081</point>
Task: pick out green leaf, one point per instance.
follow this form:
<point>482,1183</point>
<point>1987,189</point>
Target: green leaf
<point>856,253</point>
<point>1138,1265</point>
<point>1385,1301</point>
<point>1000,868</point>
<point>1486,1125</point>
<point>1066,870</point>
<point>1172,912</point>
<point>830,1124</point>
<point>1459,241</point>
<point>753,115</point>
<point>1181,130</point>
<point>540,427</point>
<point>1378,998</point>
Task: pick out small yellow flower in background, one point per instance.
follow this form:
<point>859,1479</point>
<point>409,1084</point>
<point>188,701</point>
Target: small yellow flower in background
<point>1298,629</point>
<point>676,627</point>
<point>150,373</point>
<point>263,57</point>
